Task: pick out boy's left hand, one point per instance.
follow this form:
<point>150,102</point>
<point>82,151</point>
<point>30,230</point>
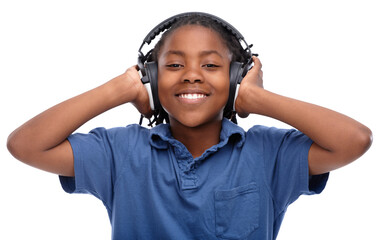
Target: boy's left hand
<point>253,79</point>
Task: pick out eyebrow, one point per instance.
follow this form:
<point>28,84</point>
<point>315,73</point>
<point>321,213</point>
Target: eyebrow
<point>202,53</point>
<point>210,52</point>
<point>174,52</point>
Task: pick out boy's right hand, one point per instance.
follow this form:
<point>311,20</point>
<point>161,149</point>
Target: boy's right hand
<point>140,97</point>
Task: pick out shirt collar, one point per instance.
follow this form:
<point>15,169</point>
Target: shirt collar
<point>160,136</point>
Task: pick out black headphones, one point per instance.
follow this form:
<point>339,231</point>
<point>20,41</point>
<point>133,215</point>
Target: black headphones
<point>149,70</point>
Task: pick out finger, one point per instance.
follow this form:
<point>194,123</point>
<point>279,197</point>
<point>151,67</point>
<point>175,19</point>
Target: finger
<point>134,71</point>
<point>257,63</point>
<point>255,73</point>
<point>256,68</point>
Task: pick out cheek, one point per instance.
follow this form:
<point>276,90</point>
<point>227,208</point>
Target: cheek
<point>221,86</point>
<point>163,88</point>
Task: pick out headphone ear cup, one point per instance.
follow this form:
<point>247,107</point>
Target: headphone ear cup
<point>151,74</point>
<point>235,74</point>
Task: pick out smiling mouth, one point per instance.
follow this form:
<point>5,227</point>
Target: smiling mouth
<point>192,96</point>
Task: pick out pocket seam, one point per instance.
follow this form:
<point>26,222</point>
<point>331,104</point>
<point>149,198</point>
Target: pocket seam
<point>235,192</point>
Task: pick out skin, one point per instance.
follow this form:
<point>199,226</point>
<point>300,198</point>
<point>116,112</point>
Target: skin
<point>194,60</point>
<point>187,64</point>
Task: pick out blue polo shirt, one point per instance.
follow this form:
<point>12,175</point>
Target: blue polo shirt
<point>153,188</point>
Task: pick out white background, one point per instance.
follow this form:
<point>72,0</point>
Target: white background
<point>324,52</point>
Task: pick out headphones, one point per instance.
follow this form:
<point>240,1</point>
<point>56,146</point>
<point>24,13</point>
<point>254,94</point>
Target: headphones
<point>149,70</point>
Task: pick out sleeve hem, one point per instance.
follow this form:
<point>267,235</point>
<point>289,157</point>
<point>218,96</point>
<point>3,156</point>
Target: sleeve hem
<point>313,184</point>
<point>72,184</point>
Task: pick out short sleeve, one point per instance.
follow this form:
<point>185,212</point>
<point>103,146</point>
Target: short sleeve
<point>93,166</point>
<point>286,165</point>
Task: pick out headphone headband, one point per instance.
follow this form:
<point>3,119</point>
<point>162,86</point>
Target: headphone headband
<point>166,24</point>
<point>170,21</point>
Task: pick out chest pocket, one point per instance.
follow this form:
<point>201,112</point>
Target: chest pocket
<point>237,211</point>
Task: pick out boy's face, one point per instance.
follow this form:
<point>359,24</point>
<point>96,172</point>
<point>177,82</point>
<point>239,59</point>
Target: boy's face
<point>193,76</point>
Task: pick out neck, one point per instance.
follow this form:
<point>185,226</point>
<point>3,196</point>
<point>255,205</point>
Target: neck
<point>197,139</point>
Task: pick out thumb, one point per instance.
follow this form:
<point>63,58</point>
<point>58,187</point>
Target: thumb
<point>255,74</point>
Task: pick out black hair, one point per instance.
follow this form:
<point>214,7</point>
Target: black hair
<point>231,42</point>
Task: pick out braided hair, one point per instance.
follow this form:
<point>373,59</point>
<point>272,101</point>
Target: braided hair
<point>230,41</point>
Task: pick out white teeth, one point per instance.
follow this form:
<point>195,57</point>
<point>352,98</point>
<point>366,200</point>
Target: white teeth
<point>192,95</point>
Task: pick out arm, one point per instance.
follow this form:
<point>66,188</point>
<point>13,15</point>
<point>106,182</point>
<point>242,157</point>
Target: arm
<point>41,142</point>
<point>338,139</point>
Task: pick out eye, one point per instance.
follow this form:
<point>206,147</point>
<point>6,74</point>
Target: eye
<point>174,65</point>
<point>210,66</point>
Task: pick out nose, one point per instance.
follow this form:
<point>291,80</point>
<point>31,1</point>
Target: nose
<point>193,75</point>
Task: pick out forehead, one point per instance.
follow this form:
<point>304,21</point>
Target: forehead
<point>191,38</point>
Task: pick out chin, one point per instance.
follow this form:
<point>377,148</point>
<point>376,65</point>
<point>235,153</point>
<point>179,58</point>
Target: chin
<point>196,121</point>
